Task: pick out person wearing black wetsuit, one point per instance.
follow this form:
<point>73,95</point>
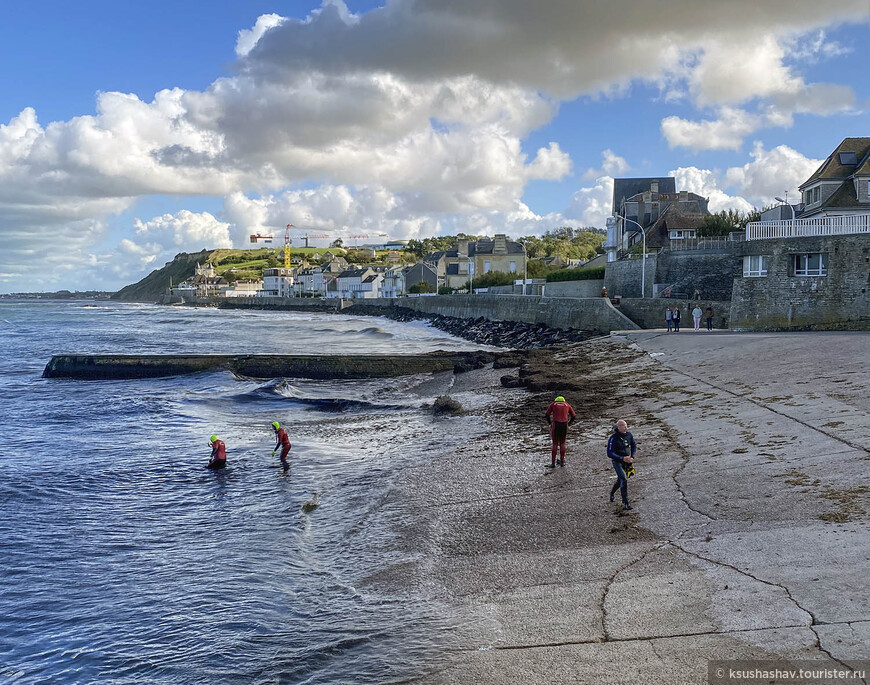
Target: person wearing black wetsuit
<point>621,448</point>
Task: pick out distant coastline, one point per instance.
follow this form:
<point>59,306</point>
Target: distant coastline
<point>60,295</point>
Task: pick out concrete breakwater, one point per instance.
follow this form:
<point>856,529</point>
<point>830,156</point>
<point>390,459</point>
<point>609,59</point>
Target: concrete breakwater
<point>320,367</point>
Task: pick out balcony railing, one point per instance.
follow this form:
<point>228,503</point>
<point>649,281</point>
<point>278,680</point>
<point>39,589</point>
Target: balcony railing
<point>804,228</point>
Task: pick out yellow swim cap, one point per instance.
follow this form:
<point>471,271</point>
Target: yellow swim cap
<point>559,399</point>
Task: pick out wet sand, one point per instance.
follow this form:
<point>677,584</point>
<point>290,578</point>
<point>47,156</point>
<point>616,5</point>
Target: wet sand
<point>749,538</point>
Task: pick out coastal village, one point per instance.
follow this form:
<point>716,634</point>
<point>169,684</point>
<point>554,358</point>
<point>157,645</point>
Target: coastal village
<point>796,265</point>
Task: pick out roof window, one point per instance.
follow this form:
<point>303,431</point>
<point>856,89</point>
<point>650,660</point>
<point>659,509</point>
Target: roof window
<point>848,158</point>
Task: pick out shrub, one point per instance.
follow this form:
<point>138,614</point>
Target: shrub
<point>421,287</point>
<point>446,290</point>
<point>592,273</point>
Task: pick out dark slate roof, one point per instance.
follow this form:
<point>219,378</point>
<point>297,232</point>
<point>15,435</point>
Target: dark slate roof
<point>832,168</point>
<point>624,188</point>
<point>352,273</point>
<point>371,278</point>
<point>486,246</point>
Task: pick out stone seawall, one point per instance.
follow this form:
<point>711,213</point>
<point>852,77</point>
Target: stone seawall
<point>321,367</point>
<point>595,314</point>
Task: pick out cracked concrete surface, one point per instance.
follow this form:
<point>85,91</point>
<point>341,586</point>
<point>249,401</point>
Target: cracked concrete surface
<point>749,537</point>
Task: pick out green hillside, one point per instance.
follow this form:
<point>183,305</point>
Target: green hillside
<point>231,264</point>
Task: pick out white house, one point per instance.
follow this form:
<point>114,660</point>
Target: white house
<point>243,289</point>
<point>360,283</point>
<point>277,282</point>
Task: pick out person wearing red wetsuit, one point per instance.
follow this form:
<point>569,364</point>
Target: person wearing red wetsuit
<point>559,415</point>
<point>283,441</point>
<point>218,458</point>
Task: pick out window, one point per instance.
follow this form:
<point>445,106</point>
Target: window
<point>513,267</point>
<point>486,267</point>
<point>682,234</point>
<point>813,264</point>
<point>817,193</point>
<point>848,158</point>
<point>754,266</point>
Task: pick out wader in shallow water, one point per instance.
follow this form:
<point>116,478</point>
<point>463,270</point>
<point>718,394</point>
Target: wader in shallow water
<point>283,441</point>
<point>218,458</point>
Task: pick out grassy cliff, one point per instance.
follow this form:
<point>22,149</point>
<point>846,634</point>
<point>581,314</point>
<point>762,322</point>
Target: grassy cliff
<point>154,285</point>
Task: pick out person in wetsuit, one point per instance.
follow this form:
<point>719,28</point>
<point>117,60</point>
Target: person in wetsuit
<point>621,448</point>
<point>559,415</point>
<point>218,458</point>
<point>283,441</point>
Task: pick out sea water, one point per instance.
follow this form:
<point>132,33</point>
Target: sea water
<point>122,559</point>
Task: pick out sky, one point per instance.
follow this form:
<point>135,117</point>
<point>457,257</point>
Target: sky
<point>130,132</point>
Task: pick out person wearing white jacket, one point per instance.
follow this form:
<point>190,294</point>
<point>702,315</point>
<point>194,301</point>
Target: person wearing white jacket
<point>696,315</point>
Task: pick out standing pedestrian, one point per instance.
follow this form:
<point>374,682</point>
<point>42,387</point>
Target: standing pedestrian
<point>676,317</point>
<point>709,314</point>
<point>696,315</point>
<point>282,441</point>
<point>621,448</point>
<point>669,318</point>
<point>559,415</point>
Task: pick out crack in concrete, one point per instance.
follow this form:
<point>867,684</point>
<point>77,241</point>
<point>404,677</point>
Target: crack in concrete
<point>612,579</point>
<point>813,622</point>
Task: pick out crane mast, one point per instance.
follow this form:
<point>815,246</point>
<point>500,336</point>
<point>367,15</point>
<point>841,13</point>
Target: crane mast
<point>287,242</point>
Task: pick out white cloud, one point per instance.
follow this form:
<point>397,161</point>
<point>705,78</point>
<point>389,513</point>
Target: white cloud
<point>612,165</point>
<point>772,173</point>
<point>248,38</point>
<point>725,133</point>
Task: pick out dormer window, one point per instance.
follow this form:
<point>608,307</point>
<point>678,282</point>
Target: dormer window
<point>848,158</point>
<point>813,195</point>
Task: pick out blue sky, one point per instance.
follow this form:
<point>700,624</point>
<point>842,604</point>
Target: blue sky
<point>132,132</point>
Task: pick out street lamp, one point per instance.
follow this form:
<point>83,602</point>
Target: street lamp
<point>525,266</point>
<point>779,199</point>
<point>642,261</point>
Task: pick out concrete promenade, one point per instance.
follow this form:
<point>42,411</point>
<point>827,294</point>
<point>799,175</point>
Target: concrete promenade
<point>749,539</point>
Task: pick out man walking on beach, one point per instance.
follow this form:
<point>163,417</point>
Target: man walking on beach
<point>559,415</point>
<point>621,448</point>
<point>218,459</point>
<point>282,441</point>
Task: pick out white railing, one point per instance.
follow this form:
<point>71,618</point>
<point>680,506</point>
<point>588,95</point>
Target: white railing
<point>802,228</point>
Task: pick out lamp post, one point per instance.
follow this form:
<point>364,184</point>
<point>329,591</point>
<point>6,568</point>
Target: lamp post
<point>643,260</point>
<point>779,199</point>
<point>525,267</point>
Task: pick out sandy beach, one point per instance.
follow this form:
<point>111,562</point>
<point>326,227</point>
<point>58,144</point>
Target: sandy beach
<point>748,540</point>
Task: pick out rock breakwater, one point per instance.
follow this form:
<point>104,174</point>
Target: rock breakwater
<point>513,334</point>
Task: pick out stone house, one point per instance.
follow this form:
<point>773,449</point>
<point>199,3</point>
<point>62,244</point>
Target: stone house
<point>469,258</point>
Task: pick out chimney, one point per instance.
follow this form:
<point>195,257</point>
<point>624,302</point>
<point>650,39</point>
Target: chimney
<point>654,187</point>
<point>499,244</point>
<point>462,248</point>
<point>684,196</point>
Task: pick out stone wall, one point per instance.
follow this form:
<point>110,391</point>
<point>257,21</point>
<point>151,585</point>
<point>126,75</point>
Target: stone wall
<point>712,272</point>
<point>593,314</point>
<point>590,288</point>
<point>650,313</point>
<point>782,301</point>
<point>622,279</point>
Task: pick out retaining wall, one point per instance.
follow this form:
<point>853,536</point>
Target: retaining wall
<point>590,288</point>
<point>650,312</point>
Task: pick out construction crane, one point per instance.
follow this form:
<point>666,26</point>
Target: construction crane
<point>260,238</point>
<point>287,242</point>
<point>313,236</point>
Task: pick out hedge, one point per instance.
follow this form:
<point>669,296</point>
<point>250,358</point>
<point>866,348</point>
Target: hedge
<point>591,274</point>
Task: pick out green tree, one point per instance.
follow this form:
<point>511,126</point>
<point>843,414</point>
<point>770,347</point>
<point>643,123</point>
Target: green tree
<point>338,242</point>
<point>271,260</point>
<point>421,287</point>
